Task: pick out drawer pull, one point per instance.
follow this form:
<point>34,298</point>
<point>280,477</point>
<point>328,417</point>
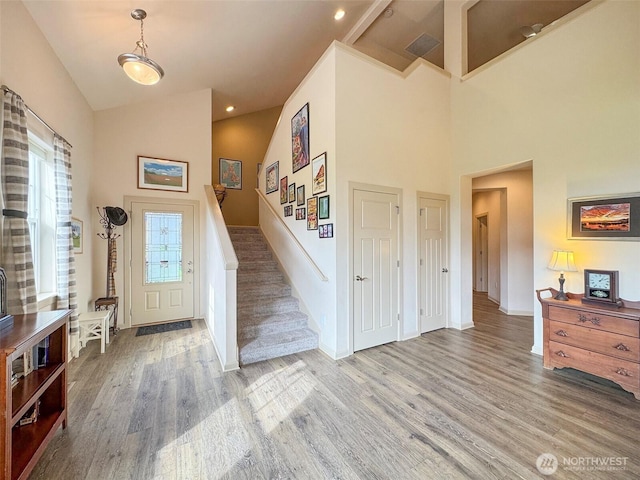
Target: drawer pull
<point>562,354</point>
<point>562,333</point>
<point>584,319</point>
<point>623,372</point>
<point>622,347</point>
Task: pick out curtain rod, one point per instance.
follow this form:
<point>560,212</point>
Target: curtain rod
<point>38,117</point>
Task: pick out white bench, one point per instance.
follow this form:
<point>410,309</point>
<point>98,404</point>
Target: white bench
<point>94,325</point>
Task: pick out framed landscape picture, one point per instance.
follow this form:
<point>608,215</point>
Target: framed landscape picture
<point>77,235</point>
<point>319,174</point>
<point>300,139</point>
<point>602,218</point>
<point>161,174</point>
<point>271,178</point>
<point>231,173</point>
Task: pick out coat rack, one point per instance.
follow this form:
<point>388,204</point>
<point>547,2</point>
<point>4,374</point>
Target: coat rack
<point>110,218</point>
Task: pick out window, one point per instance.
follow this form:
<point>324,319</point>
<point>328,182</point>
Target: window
<point>42,214</point>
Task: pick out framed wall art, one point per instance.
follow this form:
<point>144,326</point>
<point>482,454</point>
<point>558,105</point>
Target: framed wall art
<point>288,210</point>
<point>300,139</point>
<point>300,199</point>
<point>326,230</point>
<point>284,192</point>
<point>161,174</point>
<point>319,174</point>
<point>605,218</point>
<point>77,235</point>
<point>292,193</point>
<point>323,207</point>
<point>271,178</point>
<point>231,173</point>
<point>301,213</point>
<point>312,213</point>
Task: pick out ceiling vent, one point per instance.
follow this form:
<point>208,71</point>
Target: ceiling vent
<point>422,45</point>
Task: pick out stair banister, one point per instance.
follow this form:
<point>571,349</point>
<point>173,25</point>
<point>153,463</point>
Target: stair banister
<point>304,252</point>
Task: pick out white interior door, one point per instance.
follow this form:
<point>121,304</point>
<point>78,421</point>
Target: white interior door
<point>433,264</point>
<point>482,257</point>
<point>375,268</point>
<point>162,266</point>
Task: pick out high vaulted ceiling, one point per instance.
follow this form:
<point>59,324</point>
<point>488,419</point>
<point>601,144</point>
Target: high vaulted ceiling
<point>251,53</point>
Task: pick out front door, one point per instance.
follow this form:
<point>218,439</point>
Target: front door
<point>433,264</point>
<point>162,266</point>
<point>375,268</point>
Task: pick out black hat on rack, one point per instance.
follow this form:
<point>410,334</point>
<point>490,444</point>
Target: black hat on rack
<point>116,215</point>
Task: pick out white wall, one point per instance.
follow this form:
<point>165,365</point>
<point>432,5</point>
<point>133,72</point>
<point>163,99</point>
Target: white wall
<point>570,100</point>
<point>394,131</point>
<point>515,239</point>
<point>29,66</point>
<point>318,297</point>
<point>177,127</point>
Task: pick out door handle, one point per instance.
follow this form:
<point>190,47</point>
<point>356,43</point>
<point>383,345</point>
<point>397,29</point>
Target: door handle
<point>445,270</point>
<point>360,279</point>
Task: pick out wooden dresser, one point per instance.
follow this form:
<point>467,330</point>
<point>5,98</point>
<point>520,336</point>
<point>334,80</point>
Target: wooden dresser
<point>603,341</point>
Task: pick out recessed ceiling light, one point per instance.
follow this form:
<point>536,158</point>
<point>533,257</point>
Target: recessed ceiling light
<point>339,14</point>
<point>230,108</point>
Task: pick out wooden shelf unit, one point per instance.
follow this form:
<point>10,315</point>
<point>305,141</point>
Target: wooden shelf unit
<point>22,446</point>
<point>600,340</point>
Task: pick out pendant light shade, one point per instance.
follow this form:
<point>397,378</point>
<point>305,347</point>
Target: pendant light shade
<point>139,67</point>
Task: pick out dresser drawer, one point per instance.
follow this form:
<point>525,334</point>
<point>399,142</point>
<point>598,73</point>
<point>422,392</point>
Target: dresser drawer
<point>595,320</point>
<point>620,346</point>
<point>624,373</point>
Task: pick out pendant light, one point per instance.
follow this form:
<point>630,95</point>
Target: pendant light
<point>139,67</point>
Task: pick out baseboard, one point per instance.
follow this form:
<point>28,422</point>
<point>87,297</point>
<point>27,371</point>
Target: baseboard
<point>226,367</point>
<point>523,313</point>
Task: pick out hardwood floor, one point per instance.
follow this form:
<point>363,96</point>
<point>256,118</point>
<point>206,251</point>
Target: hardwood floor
<point>448,405</point>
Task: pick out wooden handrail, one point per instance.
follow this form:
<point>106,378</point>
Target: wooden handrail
<point>304,252</point>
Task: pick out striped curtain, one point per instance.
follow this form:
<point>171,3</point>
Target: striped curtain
<point>65,260</point>
<point>17,259</point>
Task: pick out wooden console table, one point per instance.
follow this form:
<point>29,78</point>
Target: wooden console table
<point>45,388</point>
<point>602,341</point>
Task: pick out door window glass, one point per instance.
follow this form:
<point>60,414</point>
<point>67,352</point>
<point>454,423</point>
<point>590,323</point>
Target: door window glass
<point>163,247</point>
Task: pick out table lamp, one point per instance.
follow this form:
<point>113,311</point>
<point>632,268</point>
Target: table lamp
<point>562,261</point>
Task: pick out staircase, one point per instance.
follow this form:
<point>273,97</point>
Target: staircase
<point>270,324</point>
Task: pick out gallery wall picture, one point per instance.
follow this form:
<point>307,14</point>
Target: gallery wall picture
<point>271,176</point>
<point>301,213</point>
<point>162,174</point>
<point>312,213</point>
<point>300,198</point>
<point>300,139</point>
<point>284,192</point>
<point>319,174</point>
<point>326,230</point>
<point>231,173</point>
<point>323,207</point>
<point>292,193</point>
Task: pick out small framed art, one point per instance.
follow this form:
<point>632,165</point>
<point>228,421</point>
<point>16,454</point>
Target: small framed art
<point>284,192</point>
<point>312,213</point>
<point>231,173</point>
<point>301,213</point>
<point>319,174</point>
<point>292,193</point>
<point>271,178</point>
<point>161,174</point>
<point>323,207</point>
<point>300,196</point>
<point>326,230</point>
<point>77,235</point>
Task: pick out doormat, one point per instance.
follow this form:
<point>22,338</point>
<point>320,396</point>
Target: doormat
<point>163,327</point>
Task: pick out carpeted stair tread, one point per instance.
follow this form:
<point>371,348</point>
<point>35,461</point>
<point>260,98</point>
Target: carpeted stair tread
<point>270,323</point>
<point>277,345</point>
<point>256,325</point>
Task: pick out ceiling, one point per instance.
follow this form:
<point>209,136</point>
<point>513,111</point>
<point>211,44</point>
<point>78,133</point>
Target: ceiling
<point>251,53</point>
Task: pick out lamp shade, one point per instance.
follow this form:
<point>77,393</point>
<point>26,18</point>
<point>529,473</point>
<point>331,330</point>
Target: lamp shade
<point>141,69</point>
<point>562,261</point>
